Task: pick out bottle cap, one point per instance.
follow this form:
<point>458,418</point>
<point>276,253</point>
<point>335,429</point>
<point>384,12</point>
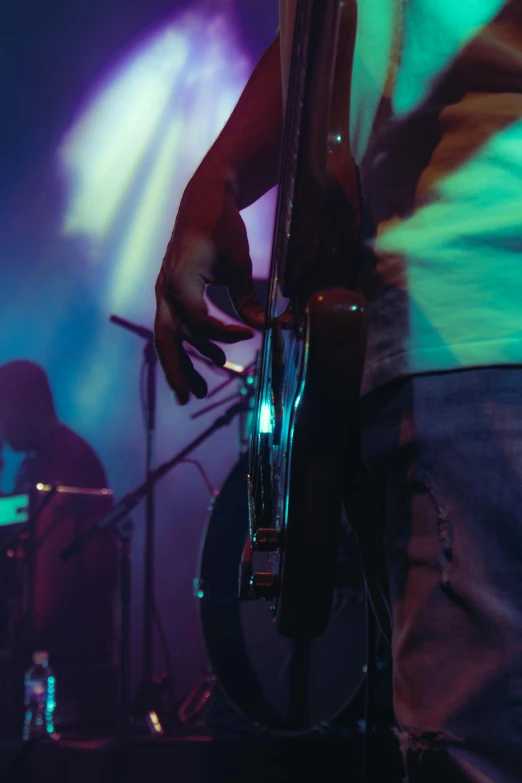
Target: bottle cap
<point>41,658</point>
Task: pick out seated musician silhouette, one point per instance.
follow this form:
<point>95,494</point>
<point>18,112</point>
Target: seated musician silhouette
<point>69,606</point>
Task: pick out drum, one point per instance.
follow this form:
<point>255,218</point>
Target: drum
<point>281,685</point>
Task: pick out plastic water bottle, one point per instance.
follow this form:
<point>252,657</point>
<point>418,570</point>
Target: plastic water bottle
<point>40,700</point>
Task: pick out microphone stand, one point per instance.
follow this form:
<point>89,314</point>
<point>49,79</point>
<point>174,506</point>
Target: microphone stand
<point>121,510</point>
<point>150,360</point>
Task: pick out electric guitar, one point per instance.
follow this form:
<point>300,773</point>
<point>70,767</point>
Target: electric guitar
<point>310,367</point>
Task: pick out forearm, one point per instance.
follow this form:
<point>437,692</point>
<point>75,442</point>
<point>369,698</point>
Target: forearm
<point>246,153</point>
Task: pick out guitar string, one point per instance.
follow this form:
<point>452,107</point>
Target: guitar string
<point>282,231</point>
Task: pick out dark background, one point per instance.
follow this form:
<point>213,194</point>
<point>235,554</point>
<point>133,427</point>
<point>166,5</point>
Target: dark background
<point>56,57</point>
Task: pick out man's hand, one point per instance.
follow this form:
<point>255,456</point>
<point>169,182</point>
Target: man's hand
<point>209,245</point>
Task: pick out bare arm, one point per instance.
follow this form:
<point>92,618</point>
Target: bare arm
<point>247,150</point>
<point>209,243</point>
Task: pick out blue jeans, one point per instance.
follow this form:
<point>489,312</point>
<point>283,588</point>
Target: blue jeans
<point>447,450</point>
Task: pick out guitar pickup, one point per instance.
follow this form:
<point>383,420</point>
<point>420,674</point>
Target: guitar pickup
<point>264,585</point>
<point>266,539</point>
<point>252,586</point>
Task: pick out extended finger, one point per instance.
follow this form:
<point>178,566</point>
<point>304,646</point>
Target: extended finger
<point>168,349</point>
<point>197,384</point>
<point>205,347</point>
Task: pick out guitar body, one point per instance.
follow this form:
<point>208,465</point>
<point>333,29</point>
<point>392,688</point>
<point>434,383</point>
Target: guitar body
<point>305,425</point>
<point>322,425</point>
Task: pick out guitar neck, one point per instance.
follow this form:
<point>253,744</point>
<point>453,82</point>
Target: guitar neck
<point>320,73</point>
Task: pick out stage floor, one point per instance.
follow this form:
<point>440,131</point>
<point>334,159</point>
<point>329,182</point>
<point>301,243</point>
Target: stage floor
<point>197,760</point>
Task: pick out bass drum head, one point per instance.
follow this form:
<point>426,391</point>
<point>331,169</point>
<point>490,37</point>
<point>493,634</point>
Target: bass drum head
<point>281,685</point>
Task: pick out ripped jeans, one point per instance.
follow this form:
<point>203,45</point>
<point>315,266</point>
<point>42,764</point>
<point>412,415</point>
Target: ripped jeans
<point>448,450</point>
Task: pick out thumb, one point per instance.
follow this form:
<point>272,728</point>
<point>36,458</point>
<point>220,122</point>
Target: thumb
<point>245,301</point>
<point>232,240</point>
<point>187,278</point>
